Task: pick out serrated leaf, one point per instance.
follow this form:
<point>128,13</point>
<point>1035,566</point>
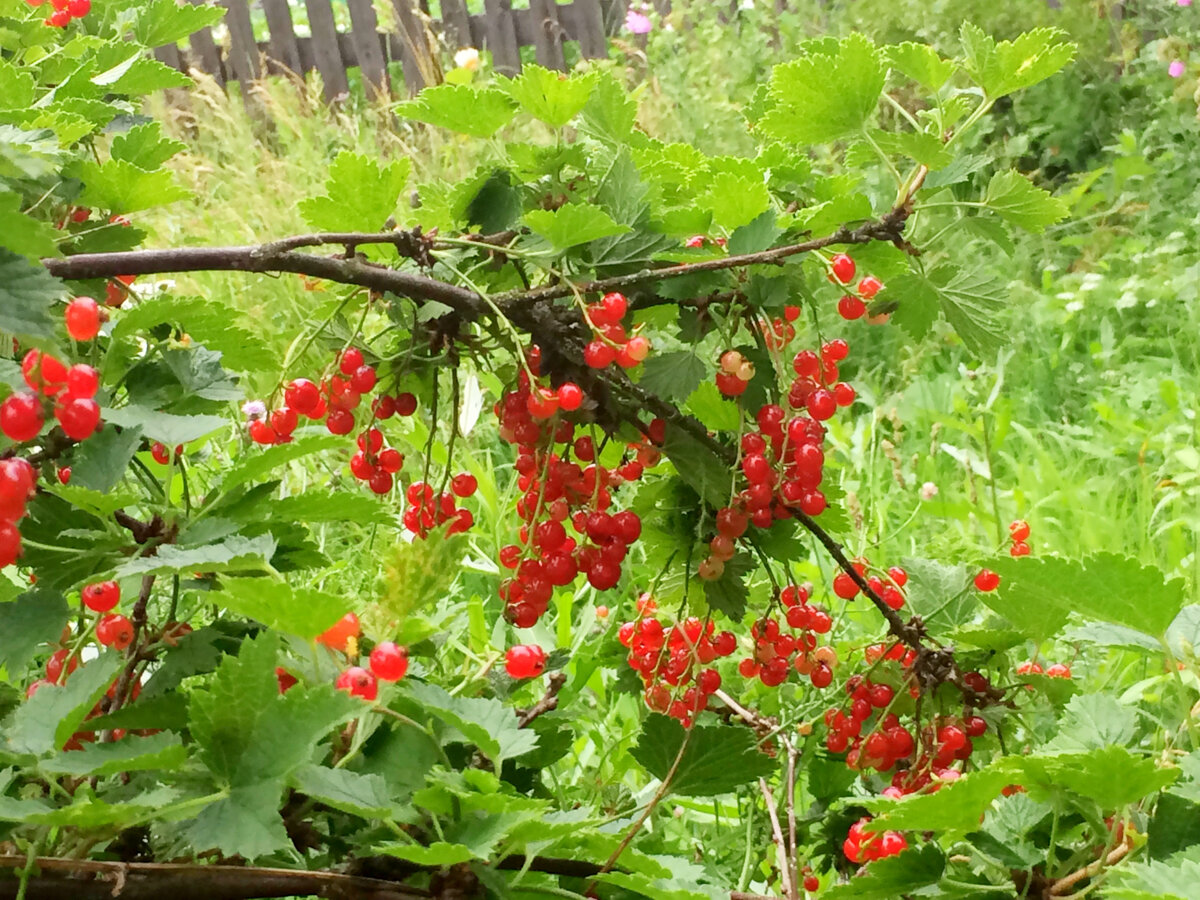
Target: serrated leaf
<point>954,809</point>
<point>1105,587</point>
<point>550,96</point>
<point>167,712</point>
<point>479,112</point>
<point>35,617</point>
<point>245,823</point>
<point>610,112</point>
<point>18,87</point>
<point>734,199</point>
<point>131,754</point>
<point>438,853</point>
<point>23,235</point>
<point>233,553</point>
<point>1092,721</point>
<point>169,428</point>
<point>698,466</point>
<point>1153,880</point>
<point>331,506</point>
<point>210,323</point>
<point>1018,201</point>
<point>304,612</point>
<point>939,593</point>
<point>139,74</point>
<point>728,593</point>
<point>1175,825</point>
<point>145,146</point>
<point>100,462</point>
<point>825,95</point>
<point>662,888</point>
<point>351,792</point>
<point>920,146</point>
<point>573,224</point>
<point>1105,634</point>
<point>46,721</point>
<point>121,187</point>
<point>718,758</point>
<point>162,22</point>
<point>1111,776</point>
<point>26,293</point>
<point>251,467</point>
<point>673,375</point>
<point>894,876</point>
<point>756,235</point>
<point>971,301</point>
<point>360,194</point>
<point>1007,66</point>
<point>921,63</point>
<point>486,723</point>
<point>418,574</point>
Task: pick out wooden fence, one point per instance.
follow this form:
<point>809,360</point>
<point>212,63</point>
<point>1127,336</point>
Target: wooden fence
<point>545,26</point>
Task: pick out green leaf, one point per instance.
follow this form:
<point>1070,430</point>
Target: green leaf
<point>304,612</point>
<point>21,234</point>
<point>1104,587</point>
<point>573,224</point>
<point>26,293</point>
<point>479,112</point>
<point>550,96</point>
<point>1175,825</point>
<point>895,876</point>
<point>245,823</point>
<point>438,853</point>
<point>331,506</point>
<point>954,809</point>
<point>100,462</point>
<point>140,74</point>
<point>167,712</point>
<point>1183,635</point>
<point>673,375</point>
<point>718,758</point>
<point>697,465</point>
<point>208,322</point>
<point>1020,202</point>
<point>925,148</point>
<point>121,187</point>
<point>360,194</point>
<point>486,723</point>
<point>1105,634</point>
<point>755,236</point>
<point>728,593</point>
<point>1007,66</point>
<point>418,573</point>
<point>169,428</point>
<point>1111,776</point>
<point>145,146</point>
<point>351,792</point>
<point>610,112</point>
<point>251,467</point>
<point>233,553</point>
<point>46,721</point>
<point>1153,880</point>
<point>200,372</point>
<point>825,95</point>
<point>34,618</point>
<point>970,301</point>
<point>940,593</point>
<point>734,200</point>
<point>18,87</point>
<point>162,22</point>
<point>131,754</point>
<point>1092,721</point>
<point>662,888</point>
<point>921,63</point>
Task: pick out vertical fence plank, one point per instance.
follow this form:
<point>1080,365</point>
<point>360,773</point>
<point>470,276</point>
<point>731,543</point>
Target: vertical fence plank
<point>169,54</point>
<point>502,37</point>
<point>370,47</point>
<point>283,47</point>
<point>204,48</point>
<point>416,56</point>
<point>590,21</point>
<point>243,51</point>
<point>547,34</point>
<point>456,23</point>
<point>326,52</point>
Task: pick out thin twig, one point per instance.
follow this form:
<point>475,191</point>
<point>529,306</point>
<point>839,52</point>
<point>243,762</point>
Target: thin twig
<point>785,867</point>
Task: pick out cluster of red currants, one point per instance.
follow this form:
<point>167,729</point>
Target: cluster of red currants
<point>776,652</point>
<point>888,587</point>
<point>1019,532</point>
<point>852,305</point>
<point>611,342</point>
<point>673,661</point>
<point>1056,670</point>
<point>18,483</point>
<point>112,629</point>
<point>779,332</point>
<point>64,11</point>
<point>861,846</point>
<point>555,491</point>
<point>426,512</point>
<point>387,661</point>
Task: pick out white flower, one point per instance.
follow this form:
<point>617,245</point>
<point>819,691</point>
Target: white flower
<point>467,58</point>
<point>254,410</point>
<point>928,491</point>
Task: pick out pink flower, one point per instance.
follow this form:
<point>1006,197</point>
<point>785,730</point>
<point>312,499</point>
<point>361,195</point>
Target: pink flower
<point>637,23</point>
<point>1176,68</point>
<point>1184,2</point>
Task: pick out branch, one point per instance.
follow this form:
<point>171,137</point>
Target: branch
<point>785,865</point>
<point>548,702</point>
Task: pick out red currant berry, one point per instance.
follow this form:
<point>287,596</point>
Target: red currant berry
<point>851,308</point>
<point>358,682</point>
<point>340,421</point>
<point>1020,548</point>
<point>525,661</point>
<point>1019,530</point>
<point>115,631</point>
<point>83,318</point>
<point>464,484</point>
<point>380,481</point>
<point>82,381</point>
<point>21,417</point>
<point>869,287</point>
<point>987,580</point>
<point>350,361</point>
<point>64,475</point>
<point>599,355</point>
<point>843,268</point>
<point>101,596</point>
<point>340,633</point>
<point>79,8</point>
<point>570,396</point>
<point>364,378</point>
<point>78,417</point>
<point>844,586</point>
<point>898,575</point>
<point>260,433</point>
<point>302,395</point>
<point>389,661</point>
